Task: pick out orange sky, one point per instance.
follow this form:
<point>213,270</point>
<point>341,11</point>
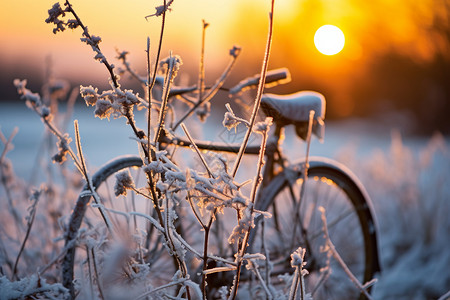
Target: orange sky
<point>370,27</point>
<point>23,32</point>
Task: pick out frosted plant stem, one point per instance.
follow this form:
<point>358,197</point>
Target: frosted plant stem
<point>57,258</point>
<point>181,263</point>
<point>162,287</point>
<point>262,281</point>
<point>7,143</point>
<point>162,113</point>
<point>86,33</point>
<point>294,285</point>
<point>151,83</point>
<point>297,262</point>
<point>189,199</point>
<point>197,150</point>
<point>149,99</point>
<point>88,180</point>
<point>49,124</point>
<point>201,73</point>
<point>266,252</point>
<point>243,244</point>
<point>259,93</point>
<point>339,258</point>
<point>91,284</point>
<point>207,230</point>
<point>213,90</point>
<point>94,263</point>
<point>30,222</point>
<point>304,178</point>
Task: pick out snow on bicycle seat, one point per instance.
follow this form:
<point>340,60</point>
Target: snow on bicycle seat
<point>294,109</point>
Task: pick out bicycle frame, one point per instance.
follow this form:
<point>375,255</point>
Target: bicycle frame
<point>272,148</point>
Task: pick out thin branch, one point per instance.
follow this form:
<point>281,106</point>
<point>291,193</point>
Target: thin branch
<point>86,33</point>
<point>338,258</point>
<point>7,142</point>
<point>259,94</point>
<point>30,222</point>
<point>167,84</point>
<point>152,83</point>
<point>256,184</point>
<point>99,284</point>
<point>193,145</point>
<point>201,73</point>
<point>214,89</point>
<point>88,180</point>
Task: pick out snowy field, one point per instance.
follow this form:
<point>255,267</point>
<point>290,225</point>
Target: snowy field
<point>407,179</point>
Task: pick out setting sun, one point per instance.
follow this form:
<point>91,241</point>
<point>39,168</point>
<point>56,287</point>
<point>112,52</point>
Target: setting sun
<point>329,40</point>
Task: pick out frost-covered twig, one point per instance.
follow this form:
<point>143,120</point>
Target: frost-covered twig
<point>297,262</point>
<point>151,83</point>
<point>30,220</point>
<point>304,177</point>
<point>173,64</point>
<point>194,146</point>
<point>201,73</point>
<point>161,10</point>
<point>7,174</point>
<point>234,53</point>
<point>33,101</point>
<point>162,287</point>
<point>338,258</point>
<point>259,93</point>
<point>94,263</point>
<point>57,258</point>
<point>7,142</point>
<point>56,11</point>
<point>247,222</point>
<point>84,172</point>
<point>253,266</point>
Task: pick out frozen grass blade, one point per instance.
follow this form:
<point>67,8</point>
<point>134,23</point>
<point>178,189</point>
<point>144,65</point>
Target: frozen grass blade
<point>30,220</point>
<point>84,172</point>
<point>194,146</point>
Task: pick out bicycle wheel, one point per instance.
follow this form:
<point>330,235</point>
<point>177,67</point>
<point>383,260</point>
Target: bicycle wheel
<point>151,250</point>
<point>296,222</point>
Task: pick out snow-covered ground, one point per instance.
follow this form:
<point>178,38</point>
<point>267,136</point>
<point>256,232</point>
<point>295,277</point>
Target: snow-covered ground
<point>407,179</point>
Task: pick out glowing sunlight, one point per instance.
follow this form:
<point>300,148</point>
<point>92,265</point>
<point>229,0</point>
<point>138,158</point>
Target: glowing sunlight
<point>329,40</point>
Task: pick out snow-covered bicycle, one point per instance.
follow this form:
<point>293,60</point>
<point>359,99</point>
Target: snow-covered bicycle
<point>291,192</point>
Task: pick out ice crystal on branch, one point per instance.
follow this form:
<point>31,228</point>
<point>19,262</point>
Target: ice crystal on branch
<point>89,94</point>
<point>123,182</point>
<point>63,149</point>
<point>235,51</point>
<point>53,17</point>
<point>103,109</point>
<point>161,9</point>
<point>32,99</point>
<point>116,101</point>
<point>263,127</point>
<point>172,62</point>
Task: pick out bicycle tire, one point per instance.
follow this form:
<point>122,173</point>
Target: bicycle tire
<point>359,222</point>
<point>79,213</point>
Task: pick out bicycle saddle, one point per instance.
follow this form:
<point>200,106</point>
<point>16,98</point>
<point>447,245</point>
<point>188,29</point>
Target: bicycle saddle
<point>294,109</point>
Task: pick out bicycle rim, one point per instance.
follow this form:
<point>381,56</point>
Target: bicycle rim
<point>296,222</point>
<point>142,243</point>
